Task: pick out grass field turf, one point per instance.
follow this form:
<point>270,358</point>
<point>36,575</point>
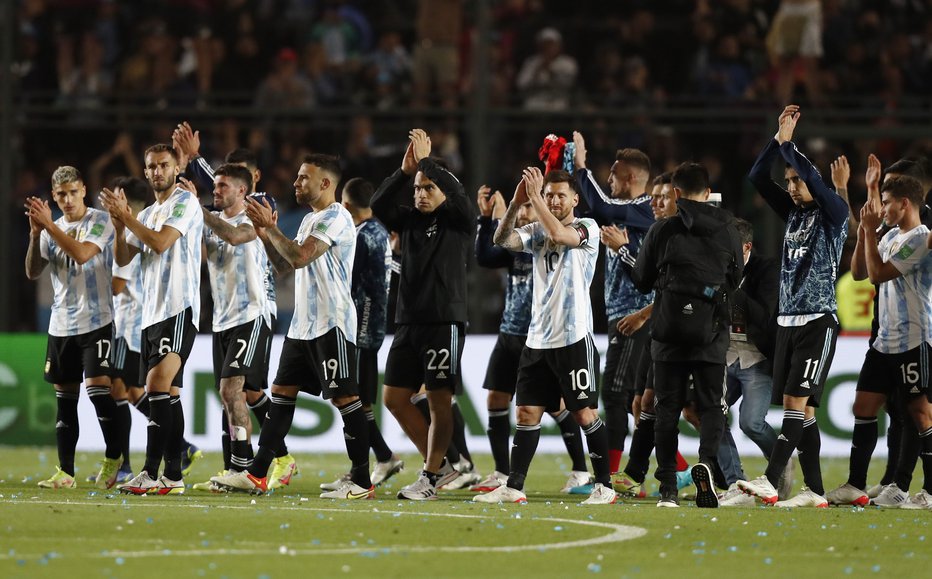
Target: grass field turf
<point>89,533</point>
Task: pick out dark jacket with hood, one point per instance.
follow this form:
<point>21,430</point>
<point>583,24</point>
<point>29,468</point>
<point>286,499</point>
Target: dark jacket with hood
<point>699,242</point>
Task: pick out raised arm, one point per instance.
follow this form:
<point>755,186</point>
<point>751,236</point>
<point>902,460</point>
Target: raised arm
<point>157,241</point>
<point>487,253</point>
<point>605,210</point>
<point>859,257</point>
<point>832,205</point>
<point>234,235</point>
<point>80,251</point>
<point>188,142</point>
<point>35,263</point>
<point>777,197</point>
<point>878,270</point>
<point>457,204</point>
<point>553,228</point>
<point>386,200</point>
<point>505,235</point>
<point>295,254</point>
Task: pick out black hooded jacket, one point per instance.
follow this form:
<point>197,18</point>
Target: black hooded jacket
<point>700,242</point>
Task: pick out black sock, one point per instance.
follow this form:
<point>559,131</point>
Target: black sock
<point>597,441</point>
<point>225,443</point>
<point>157,431</point>
<point>142,405</point>
<point>261,409</point>
<point>420,401</point>
<point>66,429</point>
<point>124,423</point>
<point>522,452</point>
<point>925,453</point>
<point>863,442</point>
<point>382,452</point>
<point>642,445</point>
<point>176,443</point>
<point>572,439</point>
<point>810,447</point>
<point>499,432</point>
<point>356,435</point>
<point>459,432</point>
<point>281,414</point>
<point>105,407</point>
<point>616,423</point>
<point>787,441</point>
<point>894,442</point>
<point>910,448</point>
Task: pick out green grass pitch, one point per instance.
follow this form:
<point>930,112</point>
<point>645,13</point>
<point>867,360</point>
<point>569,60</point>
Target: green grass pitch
<point>290,534</point>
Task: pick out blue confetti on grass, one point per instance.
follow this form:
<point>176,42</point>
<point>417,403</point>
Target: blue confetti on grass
<point>119,560</point>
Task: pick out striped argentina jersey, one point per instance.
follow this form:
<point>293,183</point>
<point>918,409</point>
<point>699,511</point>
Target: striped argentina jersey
<point>237,277</point>
<point>905,303</point>
<point>127,305</point>
<point>172,280</point>
<point>322,295</point>
<point>372,273</point>
<point>561,313</point>
<point>269,273</point>
<point>516,317</point>
<point>81,301</point>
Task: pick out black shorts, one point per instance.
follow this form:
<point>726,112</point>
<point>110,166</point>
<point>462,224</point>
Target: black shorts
<point>243,351</point>
<point>802,358</point>
<point>875,377</point>
<point>126,364</point>
<point>621,361</point>
<point>905,374</point>
<point>324,366</point>
<point>174,335</point>
<point>501,375</point>
<point>428,354</point>
<point>570,373</point>
<point>71,359</point>
<point>367,369</point>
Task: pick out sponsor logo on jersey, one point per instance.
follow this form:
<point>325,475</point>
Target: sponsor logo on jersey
<point>97,229</point>
<point>441,375</point>
<point>178,210</point>
<point>806,384</point>
<point>582,396</point>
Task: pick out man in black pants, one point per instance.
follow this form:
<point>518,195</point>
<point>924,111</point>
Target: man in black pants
<point>694,260</point>
<point>436,235</point>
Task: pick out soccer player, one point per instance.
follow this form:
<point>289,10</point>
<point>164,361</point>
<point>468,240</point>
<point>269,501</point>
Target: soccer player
<point>816,228</point>
<point>319,355</point>
<point>284,466</point>
<point>559,361</point>
<point>77,249</point>
<point>628,208</point>
<point>501,376</point>
<point>874,389</point>
<point>901,266</point>
<point>127,325</point>
<point>430,317</point>
<point>167,236</point>
<point>236,263</point>
<point>694,261</point>
<point>371,275</point>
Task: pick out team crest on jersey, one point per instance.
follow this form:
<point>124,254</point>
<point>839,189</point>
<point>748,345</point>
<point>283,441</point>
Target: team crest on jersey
<point>178,210</point>
<point>97,229</point>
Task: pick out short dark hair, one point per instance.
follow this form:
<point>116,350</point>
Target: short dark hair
<point>237,172</point>
<point>328,163</point>
<point>135,189</point>
<point>161,148</point>
<point>663,178</point>
<point>358,192</point>
<point>690,178</point>
<point>903,187</point>
<point>911,167</point>
<point>745,230</point>
<point>241,155</point>
<point>561,176</point>
<point>634,157</point>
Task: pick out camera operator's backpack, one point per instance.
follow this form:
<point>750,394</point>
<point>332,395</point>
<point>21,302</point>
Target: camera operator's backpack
<point>691,306</point>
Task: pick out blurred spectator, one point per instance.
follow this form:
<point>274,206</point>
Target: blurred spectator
<point>284,88</point>
<point>726,74</point>
<point>388,70</point>
<point>86,88</point>
<point>547,79</point>
<point>339,38</point>
<point>795,46</point>
<point>436,54</point>
<point>327,84</point>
